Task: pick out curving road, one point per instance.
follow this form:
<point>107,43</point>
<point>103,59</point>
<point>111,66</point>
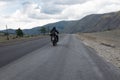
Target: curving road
<point>69,60</point>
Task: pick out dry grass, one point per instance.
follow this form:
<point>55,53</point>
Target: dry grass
<point>111,38</point>
<point>13,38</point>
<point>107,44</point>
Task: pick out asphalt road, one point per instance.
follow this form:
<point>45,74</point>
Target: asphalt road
<point>13,51</point>
<point>69,60</point>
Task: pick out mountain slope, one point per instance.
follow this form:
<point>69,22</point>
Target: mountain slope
<point>90,23</point>
<point>96,23</point>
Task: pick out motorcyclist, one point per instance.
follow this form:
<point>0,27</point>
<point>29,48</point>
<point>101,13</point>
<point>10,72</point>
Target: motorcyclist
<point>54,32</point>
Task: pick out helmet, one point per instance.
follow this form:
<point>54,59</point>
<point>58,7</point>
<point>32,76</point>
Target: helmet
<point>54,28</point>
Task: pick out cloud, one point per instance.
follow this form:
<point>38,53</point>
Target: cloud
<point>65,2</point>
<point>30,13</point>
<point>2,4</point>
<point>78,11</point>
<point>33,11</point>
<point>70,2</point>
<point>106,7</point>
<point>50,8</point>
<point>27,16</point>
<point>57,6</point>
<point>8,0</point>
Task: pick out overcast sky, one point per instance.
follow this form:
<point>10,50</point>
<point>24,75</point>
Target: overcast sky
<point>27,14</point>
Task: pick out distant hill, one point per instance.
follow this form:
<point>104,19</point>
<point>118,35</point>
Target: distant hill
<point>96,23</point>
<point>10,31</point>
<point>32,31</point>
<point>90,23</point>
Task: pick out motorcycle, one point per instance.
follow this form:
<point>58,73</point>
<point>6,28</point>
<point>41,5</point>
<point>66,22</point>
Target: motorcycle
<point>54,40</point>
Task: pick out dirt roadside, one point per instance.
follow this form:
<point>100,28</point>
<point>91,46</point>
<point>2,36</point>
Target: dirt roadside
<point>19,40</point>
<point>106,49</point>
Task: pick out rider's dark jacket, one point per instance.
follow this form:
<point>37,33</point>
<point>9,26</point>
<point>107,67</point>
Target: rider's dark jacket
<point>54,32</point>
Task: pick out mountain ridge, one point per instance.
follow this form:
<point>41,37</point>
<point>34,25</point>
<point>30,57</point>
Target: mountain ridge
<point>89,23</point>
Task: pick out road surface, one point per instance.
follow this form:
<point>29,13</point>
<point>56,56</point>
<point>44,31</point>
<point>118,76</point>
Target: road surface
<point>18,49</point>
<point>69,60</point>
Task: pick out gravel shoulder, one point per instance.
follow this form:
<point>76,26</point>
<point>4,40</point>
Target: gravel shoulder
<point>106,46</point>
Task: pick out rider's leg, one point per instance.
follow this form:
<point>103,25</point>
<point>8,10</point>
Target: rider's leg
<point>57,38</point>
<point>51,38</point>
